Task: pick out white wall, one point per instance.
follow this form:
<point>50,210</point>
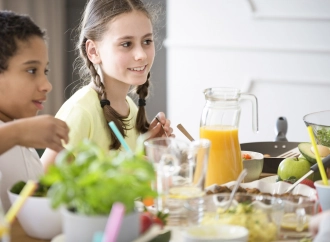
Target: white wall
<point>278,50</point>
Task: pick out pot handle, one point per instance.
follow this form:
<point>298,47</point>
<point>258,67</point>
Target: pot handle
<point>281,128</point>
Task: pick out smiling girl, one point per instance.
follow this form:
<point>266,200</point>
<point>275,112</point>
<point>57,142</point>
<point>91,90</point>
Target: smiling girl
<point>116,47</point>
<point>23,90</point>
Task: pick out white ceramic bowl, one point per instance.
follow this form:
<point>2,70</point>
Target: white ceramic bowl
<point>216,233</point>
<point>253,166</point>
<point>37,217</point>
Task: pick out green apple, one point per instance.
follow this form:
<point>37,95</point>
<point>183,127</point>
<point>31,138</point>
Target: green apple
<point>293,168</point>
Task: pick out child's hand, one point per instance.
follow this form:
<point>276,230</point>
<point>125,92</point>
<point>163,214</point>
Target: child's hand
<point>160,127</point>
<point>43,131</point>
<point>317,220</point>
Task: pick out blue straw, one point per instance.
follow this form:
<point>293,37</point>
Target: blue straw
<point>119,136</point>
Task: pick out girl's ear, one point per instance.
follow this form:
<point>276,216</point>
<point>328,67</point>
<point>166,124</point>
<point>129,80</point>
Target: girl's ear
<point>92,52</point>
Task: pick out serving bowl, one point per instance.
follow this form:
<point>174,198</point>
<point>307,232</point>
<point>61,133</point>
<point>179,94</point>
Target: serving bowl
<point>253,165</point>
<point>37,218</point>
<point>260,215</point>
<point>320,123</point>
<point>215,233</point>
<point>269,186</point>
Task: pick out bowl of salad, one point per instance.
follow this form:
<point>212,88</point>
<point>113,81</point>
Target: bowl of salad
<point>37,218</point>
<point>320,123</point>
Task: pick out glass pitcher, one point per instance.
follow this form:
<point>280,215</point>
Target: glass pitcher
<point>219,124</point>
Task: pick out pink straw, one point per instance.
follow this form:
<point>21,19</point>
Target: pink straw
<point>114,223</point>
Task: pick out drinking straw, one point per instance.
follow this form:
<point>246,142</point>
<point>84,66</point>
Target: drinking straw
<point>27,191</point>
<point>114,222</point>
<point>97,237</point>
<point>119,136</point>
<point>318,158</point>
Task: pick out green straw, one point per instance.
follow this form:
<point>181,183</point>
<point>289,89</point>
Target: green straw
<point>318,158</point>
<point>119,136</point>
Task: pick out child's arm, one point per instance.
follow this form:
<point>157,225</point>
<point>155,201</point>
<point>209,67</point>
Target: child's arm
<point>48,158</point>
<point>38,132</point>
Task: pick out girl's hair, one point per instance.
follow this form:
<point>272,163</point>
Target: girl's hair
<point>94,23</point>
<point>13,28</point>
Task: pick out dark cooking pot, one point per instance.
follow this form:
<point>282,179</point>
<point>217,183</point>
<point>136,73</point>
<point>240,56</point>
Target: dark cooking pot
<point>271,148</point>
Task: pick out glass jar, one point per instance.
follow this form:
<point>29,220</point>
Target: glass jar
<point>219,124</point>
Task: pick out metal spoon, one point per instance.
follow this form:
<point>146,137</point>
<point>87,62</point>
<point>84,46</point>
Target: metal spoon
<point>232,194</point>
<point>162,126</point>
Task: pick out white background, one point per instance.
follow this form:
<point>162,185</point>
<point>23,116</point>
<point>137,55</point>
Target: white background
<point>277,50</point>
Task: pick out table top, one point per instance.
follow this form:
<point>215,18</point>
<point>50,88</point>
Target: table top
<point>17,234</point>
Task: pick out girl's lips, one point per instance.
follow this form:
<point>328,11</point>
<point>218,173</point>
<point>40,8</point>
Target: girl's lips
<point>138,69</point>
<point>39,105</point>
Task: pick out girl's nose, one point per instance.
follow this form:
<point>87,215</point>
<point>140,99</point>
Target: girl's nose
<point>140,53</point>
<point>45,85</point>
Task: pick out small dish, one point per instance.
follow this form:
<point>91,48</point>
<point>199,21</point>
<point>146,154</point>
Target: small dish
<point>216,233</point>
<point>253,165</point>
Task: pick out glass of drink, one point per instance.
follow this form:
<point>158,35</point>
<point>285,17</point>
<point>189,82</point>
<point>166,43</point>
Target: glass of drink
<point>180,168</point>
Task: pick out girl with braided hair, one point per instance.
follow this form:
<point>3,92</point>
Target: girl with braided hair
<point>117,51</point>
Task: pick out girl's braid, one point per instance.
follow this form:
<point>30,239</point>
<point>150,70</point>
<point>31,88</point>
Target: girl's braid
<point>109,113</point>
<point>142,124</point>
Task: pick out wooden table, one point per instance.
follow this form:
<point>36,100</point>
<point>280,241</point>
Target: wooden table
<point>18,234</point>
<point>263,175</point>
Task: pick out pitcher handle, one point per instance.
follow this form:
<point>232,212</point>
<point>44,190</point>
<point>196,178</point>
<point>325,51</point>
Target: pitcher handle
<point>253,99</point>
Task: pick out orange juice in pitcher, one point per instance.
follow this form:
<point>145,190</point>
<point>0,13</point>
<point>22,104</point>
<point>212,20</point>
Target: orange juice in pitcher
<point>219,124</point>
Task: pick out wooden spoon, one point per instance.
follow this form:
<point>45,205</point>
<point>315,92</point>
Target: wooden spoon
<point>185,132</point>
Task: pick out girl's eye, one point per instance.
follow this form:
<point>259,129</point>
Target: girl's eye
<point>32,71</point>
<point>126,44</point>
<point>148,41</point>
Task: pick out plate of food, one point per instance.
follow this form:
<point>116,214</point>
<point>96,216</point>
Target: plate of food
<point>263,187</point>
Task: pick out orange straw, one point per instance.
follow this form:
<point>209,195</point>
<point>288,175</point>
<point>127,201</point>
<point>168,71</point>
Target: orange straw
<point>27,191</point>
<point>318,158</point>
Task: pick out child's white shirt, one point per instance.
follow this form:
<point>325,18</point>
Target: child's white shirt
<point>17,164</point>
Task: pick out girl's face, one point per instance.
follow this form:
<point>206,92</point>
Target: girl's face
<point>24,85</point>
<point>127,51</point>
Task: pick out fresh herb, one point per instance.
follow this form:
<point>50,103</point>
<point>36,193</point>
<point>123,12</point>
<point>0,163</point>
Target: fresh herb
<point>89,181</point>
<point>323,136</point>
<point>17,187</point>
<point>41,190</point>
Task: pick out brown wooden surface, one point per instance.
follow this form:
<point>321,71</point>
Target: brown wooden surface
<point>18,234</point>
<point>263,175</point>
